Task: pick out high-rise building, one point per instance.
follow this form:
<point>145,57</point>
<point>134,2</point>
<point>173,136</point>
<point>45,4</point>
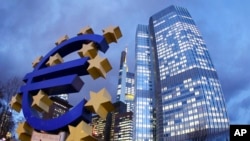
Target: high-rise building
<point>99,127</point>
<point>125,89</point>
<point>174,76</point>
<point>120,108</point>
<point>144,89</point>
<point>123,127</point>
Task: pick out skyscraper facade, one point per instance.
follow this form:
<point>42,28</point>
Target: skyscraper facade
<point>123,127</point>
<point>125,89</point>
<point>99,127</point>
<point>121,123</point>
<point>175,76</point>
<point>144,89</point>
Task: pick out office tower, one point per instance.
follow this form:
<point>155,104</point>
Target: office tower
<point>120,107</point>
<point>144,87</point>
<point>175,76</point>
<point>125,89</point>
<point>123,127</point>
<point>98,127</point>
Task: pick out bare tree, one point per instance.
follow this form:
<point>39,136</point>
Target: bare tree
<point>6,121</point>
<point>10,88</point>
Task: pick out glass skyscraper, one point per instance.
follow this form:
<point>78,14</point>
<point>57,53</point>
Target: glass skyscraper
<point>175,79</point>
<point>125,89</point>
<point>144,89</point>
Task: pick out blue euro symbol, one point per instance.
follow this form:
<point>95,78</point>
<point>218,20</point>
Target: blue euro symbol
<point>59,79</point>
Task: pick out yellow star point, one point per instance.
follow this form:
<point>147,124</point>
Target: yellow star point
<point>82,132</point>
<point>41,102</point>
<point>86,30</point>
<point>54,60</point>
<point>24,131</point>
<point>62,39</point>
<point>100,103</point>
<point>88,50</point>
<point>98,67</point>
<point>16,102</point>
<point>36,62</point>
<point>112,34</point>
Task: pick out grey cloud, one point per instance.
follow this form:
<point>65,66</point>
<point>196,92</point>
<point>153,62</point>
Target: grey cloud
<point>238,106</point>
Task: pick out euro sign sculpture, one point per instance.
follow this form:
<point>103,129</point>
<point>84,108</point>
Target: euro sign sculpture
<point>52,76</point>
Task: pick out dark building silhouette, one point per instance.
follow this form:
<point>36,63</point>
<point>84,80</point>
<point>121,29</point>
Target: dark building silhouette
<point>58,108</point>
<point>123,126</point>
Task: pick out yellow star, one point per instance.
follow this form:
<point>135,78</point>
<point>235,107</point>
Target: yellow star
<point>38,59</point>
<point>98,67</point>
<point>86,30</point>
<point>88,50</point>
<point>82,132</point>
<point>54,60</point>
<point>24,131</point>
<point>16,102</point>
<point>62,39</point>
<point>100,103</point>
<point>41,102</point>
<point>112,34</point>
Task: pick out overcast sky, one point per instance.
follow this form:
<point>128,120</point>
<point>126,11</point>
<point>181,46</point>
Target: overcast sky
<point>30,28</point>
